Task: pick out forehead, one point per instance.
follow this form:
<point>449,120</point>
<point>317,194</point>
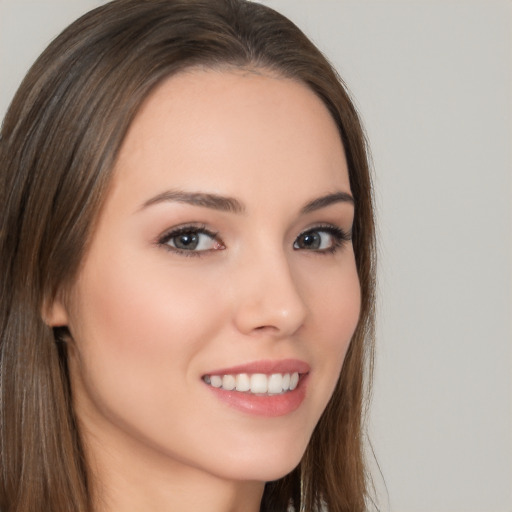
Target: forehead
<point>220,128</point>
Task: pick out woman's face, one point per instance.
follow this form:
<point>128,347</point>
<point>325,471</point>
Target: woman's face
<point>222,257</point>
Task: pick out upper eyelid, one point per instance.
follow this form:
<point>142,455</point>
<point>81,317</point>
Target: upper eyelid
<point>329,228</point>
<point>184,228</point>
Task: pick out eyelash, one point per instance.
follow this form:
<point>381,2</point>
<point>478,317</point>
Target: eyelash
<point>340,237</point>
<point>188,230</point>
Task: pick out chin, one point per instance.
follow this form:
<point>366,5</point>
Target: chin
<point>265,465</point>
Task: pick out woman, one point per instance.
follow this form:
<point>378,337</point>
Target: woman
<point>187,268</point>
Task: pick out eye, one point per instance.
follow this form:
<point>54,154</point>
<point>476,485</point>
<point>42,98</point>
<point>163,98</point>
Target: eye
<point>191,240</point>
<point>321,239</point>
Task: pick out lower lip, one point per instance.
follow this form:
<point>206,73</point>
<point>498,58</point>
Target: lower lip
<point>264,405</point>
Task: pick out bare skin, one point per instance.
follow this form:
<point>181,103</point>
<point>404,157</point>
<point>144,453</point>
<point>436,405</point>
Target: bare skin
<point>224,243</point>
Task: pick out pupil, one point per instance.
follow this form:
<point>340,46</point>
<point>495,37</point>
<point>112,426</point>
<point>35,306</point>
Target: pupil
<point>311,240</point>
<point>187,241</point>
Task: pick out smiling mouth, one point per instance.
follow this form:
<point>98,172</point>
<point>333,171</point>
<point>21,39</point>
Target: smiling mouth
<point>256,383</point>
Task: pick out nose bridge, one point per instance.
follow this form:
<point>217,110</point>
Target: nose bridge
<point>268,294</point>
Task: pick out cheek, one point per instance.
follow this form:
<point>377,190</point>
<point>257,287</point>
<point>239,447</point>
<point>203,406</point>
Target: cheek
<point>138,306</point>
<point>335,302</point>
<point>136,329</point>
<point>137,337</point>
<point>340,310</point>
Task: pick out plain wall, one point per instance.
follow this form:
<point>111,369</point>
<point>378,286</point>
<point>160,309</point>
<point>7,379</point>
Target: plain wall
<point>433,82</point>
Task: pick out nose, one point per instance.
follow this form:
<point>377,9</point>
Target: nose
<point>268,298</point>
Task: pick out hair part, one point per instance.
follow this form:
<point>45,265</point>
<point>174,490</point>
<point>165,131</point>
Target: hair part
<point>58,146</point>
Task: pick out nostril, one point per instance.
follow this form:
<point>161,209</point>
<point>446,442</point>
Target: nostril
<point>264,328</point>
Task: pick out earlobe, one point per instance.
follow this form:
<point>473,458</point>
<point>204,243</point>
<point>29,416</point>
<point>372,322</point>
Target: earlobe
<point>55,314</point>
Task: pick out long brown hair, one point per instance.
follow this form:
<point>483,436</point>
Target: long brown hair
<point>58,146</point>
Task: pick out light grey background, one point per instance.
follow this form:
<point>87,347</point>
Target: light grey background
<point>433,82</point>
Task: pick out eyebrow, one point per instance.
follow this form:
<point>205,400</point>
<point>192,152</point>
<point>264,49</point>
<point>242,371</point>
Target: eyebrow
<point>324,201</point>
<point>229,204</point>
<point>213,201</point>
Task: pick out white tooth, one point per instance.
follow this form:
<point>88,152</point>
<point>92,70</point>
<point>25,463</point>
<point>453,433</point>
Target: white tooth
<point>275,383</point>
<point>216,381</point>
<point>259,383</point>
<point>286,382</point>
<point>228,382</point>
<point>243,383</point>
<point>294,380</point>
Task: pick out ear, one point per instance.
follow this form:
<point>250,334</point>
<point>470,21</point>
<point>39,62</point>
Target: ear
<point>55,313</point>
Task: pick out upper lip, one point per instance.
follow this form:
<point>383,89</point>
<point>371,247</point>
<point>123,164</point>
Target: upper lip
<point>265,366</point>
